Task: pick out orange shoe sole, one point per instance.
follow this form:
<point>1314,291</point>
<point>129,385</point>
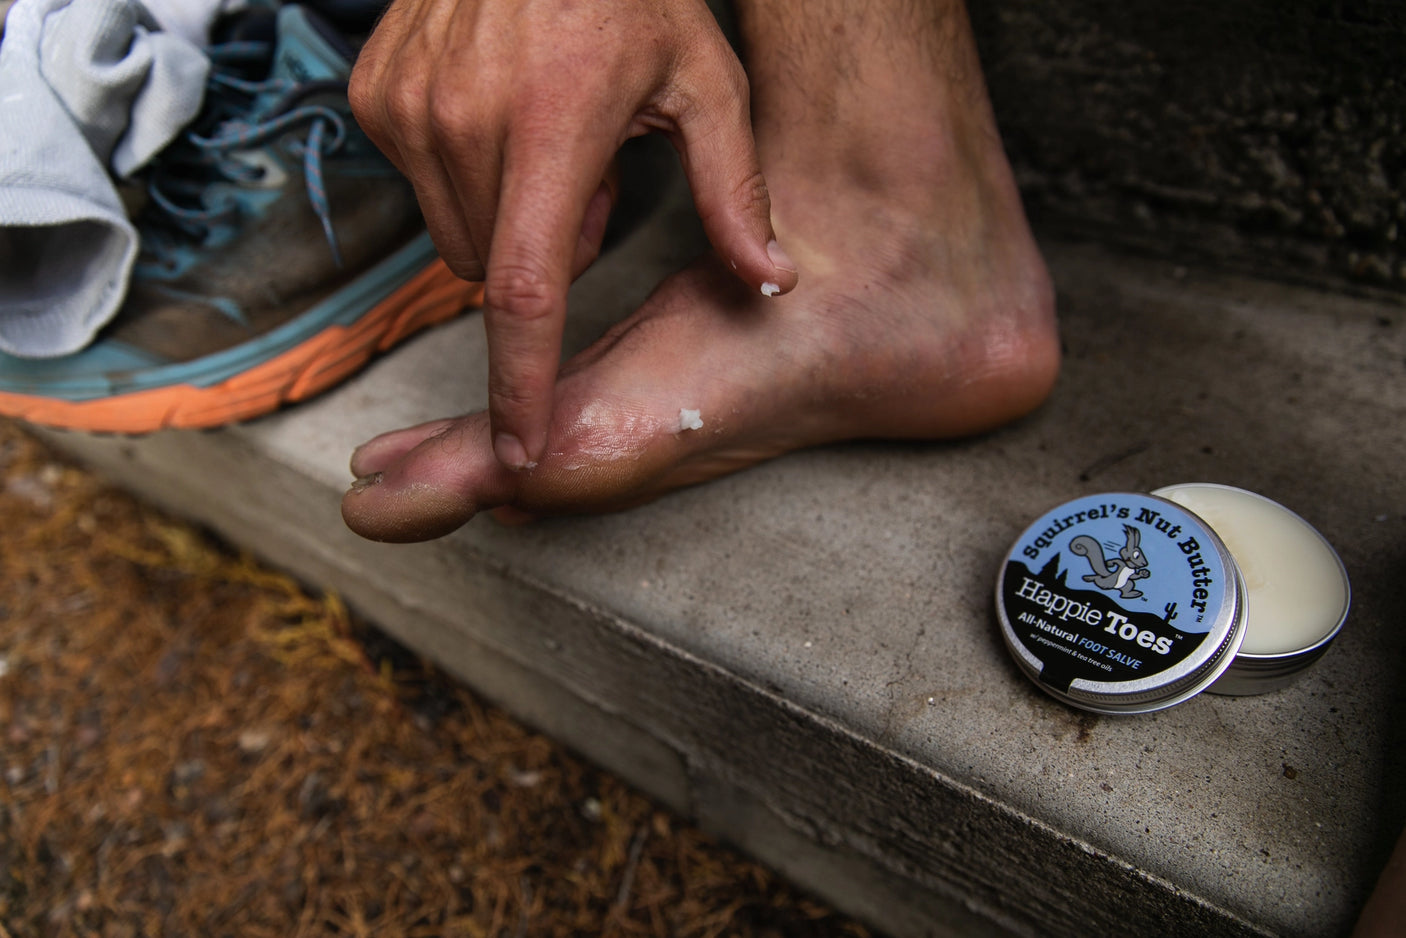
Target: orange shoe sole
<point>432,296</point>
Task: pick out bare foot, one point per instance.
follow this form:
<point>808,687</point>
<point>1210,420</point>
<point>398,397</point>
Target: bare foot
<point>895,332</point>
<point>924,311</point>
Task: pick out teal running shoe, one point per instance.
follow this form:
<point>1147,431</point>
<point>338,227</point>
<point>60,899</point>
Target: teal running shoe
<point>280,252</point>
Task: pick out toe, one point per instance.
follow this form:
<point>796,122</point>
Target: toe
<point>415,491</point>
<point>380,453</point>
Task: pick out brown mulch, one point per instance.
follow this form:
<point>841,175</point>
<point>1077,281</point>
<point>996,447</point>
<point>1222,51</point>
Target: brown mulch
<point>192,744</point>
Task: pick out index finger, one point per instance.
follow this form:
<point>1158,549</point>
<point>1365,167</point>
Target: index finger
<point>546,186</point>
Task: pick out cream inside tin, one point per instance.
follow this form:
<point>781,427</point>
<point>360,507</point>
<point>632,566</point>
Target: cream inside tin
<point>1297,591</point>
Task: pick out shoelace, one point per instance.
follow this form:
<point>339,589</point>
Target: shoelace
<point>187,167</point>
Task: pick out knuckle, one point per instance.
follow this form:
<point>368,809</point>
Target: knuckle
<point>748,198</point>
<point>718,88</point>
<point>455,122</point>
<point>751,194</point>
<point>404,103</point>
<point>507,395</point>
<point>361,90</point>
<point>733,83</point>
<point>521,291</point>
<point>444,106</point>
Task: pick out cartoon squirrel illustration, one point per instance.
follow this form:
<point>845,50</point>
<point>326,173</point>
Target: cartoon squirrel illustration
<point>1114,573</point>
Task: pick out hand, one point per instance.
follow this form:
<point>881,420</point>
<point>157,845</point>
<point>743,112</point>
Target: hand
<point>506,114</point>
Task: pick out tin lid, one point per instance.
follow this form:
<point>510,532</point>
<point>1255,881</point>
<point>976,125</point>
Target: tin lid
<point>1121,603</point>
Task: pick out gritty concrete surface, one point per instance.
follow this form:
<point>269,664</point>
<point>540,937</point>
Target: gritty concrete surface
<point>804,656</point>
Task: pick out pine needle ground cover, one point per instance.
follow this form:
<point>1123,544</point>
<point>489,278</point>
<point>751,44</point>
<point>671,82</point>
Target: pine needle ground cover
<point>192,744</point>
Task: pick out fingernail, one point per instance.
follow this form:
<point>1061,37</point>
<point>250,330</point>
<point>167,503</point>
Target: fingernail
<point>770,289</point>
<point>779,257</point>
<point>511,452</point>
<point>365,482</point>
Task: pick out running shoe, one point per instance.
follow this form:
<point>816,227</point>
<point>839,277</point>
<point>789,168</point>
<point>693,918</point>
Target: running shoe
<point>280,252</point>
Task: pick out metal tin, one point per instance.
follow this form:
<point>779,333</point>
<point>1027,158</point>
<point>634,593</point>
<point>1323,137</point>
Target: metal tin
<point>1256,672</point>
<point>1121,603</point>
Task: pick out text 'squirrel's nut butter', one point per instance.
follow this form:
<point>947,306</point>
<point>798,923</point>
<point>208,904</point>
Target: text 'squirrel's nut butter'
<point>1128,603</point>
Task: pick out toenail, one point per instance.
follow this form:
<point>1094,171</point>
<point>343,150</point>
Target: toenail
<point>770,289</point>
<point>779,257</point>
<point>365,482</point>
<point>511,452</point>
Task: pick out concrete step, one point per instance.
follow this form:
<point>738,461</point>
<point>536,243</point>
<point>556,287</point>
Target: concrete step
<point>804,658</point>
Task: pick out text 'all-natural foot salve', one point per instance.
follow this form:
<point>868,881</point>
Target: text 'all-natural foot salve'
<point>1297,592</point>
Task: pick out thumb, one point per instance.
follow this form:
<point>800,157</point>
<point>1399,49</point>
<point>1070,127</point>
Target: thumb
<point>720,160</point>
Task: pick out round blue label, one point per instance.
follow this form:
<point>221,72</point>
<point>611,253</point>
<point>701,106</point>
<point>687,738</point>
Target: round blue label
<point>1115,588</point>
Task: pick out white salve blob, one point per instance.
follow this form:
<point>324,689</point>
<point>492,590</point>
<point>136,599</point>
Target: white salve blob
<point>1296,590</point>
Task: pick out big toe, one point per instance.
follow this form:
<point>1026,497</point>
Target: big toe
<point>425,481</point>
<point>381,452</point>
